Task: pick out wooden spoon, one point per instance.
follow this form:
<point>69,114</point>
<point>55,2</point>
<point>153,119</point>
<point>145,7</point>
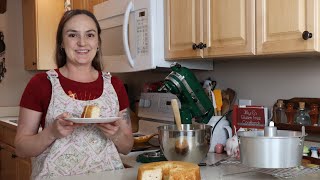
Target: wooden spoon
<point>181,144</point>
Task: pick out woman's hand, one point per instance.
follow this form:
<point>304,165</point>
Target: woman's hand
<point>109,129</point>
<point>61,127</point>
<point>119,132</point>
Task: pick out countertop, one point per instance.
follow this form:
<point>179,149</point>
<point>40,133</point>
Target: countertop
<point>207,172</point>
<point>9,120</point>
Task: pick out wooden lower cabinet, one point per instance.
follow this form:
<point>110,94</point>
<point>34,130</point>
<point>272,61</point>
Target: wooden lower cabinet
<point>11,166</point>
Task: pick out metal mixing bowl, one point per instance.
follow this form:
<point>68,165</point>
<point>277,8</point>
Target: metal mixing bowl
<point>197,137</point>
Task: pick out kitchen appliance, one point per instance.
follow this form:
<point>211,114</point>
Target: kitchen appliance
<point>271,148</point>
<point>197,137</point>
<point>132,33</point>
<point>221,131</point>
<point>195,103</point>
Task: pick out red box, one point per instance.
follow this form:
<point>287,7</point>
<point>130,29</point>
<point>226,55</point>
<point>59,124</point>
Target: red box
<point>249,117</point>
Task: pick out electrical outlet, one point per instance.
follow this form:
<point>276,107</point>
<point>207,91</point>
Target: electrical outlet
<point>245,102</point>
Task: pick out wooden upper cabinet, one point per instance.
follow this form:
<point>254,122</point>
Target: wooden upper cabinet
<point>40,23</point>
<point>182,28</point>
<point>226,27</point>
<point>85,4</point>
<point>229,27</point>
<point>280,25</point>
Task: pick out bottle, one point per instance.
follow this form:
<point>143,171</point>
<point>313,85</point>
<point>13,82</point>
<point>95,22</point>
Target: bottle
<point>280,113</point>
<point>290,112</point>
<point>314,114</point>
<point>303,117</point>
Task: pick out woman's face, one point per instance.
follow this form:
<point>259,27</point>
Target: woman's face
<point>80,40</point>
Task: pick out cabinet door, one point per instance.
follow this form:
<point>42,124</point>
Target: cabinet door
<point>229,27</point>
<point>280,25</point>
<point>7,163</point>
<point>85,4</point>
<point>23,169</point>
<point>182,29</point>
<point>40,23</point>
<point>79,4</point>
<point>91,3</point>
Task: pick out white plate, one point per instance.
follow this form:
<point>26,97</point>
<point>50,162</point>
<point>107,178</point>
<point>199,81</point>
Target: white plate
<point>93,120</point>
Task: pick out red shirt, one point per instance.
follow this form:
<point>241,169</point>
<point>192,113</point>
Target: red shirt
<point>37,94</point>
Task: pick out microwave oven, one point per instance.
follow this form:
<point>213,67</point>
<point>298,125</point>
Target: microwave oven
<point>132,33</point>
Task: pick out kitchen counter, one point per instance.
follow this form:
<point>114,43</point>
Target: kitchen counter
<point>12,120</point>
<point>207,172</point>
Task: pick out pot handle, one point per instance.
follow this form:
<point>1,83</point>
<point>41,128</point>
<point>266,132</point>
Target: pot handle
<point>228,128</point>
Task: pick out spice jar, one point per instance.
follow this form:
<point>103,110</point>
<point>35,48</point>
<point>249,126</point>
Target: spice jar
<point>290,112</point>
<point>314,114</point>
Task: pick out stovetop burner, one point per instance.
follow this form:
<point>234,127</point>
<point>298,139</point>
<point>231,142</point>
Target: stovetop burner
<point>148,157</point>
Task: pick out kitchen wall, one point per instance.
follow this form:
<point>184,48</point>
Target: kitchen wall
<point>263,80</point>
<point>16,77</point>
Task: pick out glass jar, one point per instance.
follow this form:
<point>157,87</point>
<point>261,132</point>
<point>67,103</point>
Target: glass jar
<point>314,114</point>
<point>290,112</point>
<point>280,114</point>
<point>303,117</point>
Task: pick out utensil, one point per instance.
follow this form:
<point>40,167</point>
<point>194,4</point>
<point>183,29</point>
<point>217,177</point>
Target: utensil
<point>218,96</point>
<point>181,145</point>
<point>281,150</point>
<point>198,137</point>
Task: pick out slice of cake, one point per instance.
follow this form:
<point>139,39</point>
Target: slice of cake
<point>171,170</point>
<point>91,111</point>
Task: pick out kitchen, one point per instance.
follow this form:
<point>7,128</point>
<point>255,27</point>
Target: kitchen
<point>261,79</point>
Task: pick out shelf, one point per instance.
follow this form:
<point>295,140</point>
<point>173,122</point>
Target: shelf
<point>296,127</point>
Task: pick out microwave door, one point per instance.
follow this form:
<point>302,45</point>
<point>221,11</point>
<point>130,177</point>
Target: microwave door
<point>125,33</point>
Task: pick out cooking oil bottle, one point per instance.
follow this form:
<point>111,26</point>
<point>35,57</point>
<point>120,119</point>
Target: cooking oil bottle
<point>303,117</point>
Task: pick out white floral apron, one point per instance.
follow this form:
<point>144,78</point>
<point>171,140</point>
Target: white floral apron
<point>86,150</point>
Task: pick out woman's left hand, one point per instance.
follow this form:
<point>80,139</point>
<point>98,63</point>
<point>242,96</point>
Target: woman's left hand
<point>109,129</point>
<point>119,132</point>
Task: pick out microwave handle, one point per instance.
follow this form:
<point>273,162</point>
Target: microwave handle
<point>125,33</point>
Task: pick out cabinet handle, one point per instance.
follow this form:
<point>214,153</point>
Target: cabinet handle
<point>194,46</point>
<point>34,63</point>
<point>201,45</point>
<point>14,156</point>
<point>306,35</point>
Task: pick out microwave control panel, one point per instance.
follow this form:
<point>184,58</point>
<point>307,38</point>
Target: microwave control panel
<point>142,32</point>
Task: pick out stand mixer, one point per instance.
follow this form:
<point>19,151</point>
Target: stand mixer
<point>193,99</point>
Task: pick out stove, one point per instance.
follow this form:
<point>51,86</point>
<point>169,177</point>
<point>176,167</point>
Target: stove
<point>154,111</point>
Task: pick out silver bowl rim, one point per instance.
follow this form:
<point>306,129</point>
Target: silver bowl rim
<point>186,130</point>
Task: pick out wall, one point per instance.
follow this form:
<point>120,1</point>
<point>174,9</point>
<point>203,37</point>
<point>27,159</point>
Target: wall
<point>16,77</point>
<point>263,80</point>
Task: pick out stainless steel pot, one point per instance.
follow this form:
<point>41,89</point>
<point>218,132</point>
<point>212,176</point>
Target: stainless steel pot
<point>197,137</point>
<point>281,151</point>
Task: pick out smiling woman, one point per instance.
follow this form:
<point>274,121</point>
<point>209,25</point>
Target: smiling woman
<point>53,99</point>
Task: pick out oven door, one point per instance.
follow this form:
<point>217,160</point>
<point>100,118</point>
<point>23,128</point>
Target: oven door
<point>126,41</point>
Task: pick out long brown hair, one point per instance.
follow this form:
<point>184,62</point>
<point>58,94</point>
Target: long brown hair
<point>61,57</point>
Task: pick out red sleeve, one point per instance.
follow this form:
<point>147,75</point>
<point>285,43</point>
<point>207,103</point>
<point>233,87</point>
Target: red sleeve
<point>37,94</point>
<point>121,92</point>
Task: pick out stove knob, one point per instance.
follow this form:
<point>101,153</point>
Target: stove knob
<point>141,102</point>
<point>147,103</point>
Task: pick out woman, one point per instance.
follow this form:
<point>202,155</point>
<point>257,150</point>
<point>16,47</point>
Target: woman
<point>63,147</point>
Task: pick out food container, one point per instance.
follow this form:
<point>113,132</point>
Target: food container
<point>197,137</point>
<point>282,150</point>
